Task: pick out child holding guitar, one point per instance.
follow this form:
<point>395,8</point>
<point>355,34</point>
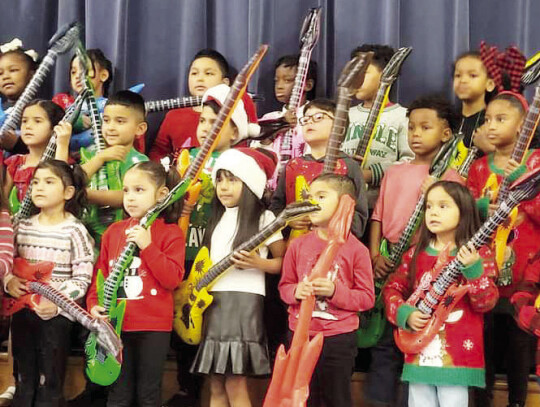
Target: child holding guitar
<point>234,344</point>
<point>148,285</point>
<point>510,126</point>
<point>41,339</point>
<point>440,374</point>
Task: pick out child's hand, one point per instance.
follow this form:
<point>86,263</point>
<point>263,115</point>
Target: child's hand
<point>511,166</point>
<point>244,260</point>
<point>323,287</point>
<point>86,121</point>
<point>418,320</point>
<point>381,267</point>
<point>468,255</point>
<point>492,208</point>
<point>481,140</point>
<point>429,181</point>
<point>358,158</point>
<point>367,176</point>
<point>140,236</point>
<point>99,312</point>
<point>9,139</point>
<point>303,290</point>
<point>16,287</point>
<point>45,309</point>
<point>63,133</point>
<point>300,224</point>
<point>290,117</point>
<point>114,153</point>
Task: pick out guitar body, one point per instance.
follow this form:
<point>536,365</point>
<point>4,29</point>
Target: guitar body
<point>13,201</point>
<point>461,154</point>
<point>501,238</point>
<point>301,193</point>
<point>372,322</point>
<point>190,304</point>
<point>411,342</point>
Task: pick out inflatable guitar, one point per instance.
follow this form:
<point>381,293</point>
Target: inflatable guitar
<point>178,103</point>
<point>498,193</point>
<point>532,70</point>
<point>23,210</point>
<point>289,386</point>
<point>192,298</point>
<point>372,322</point>
<point>60,43</point>
<point>389,75</point>
<point>100,368</point>
<point>446,289</point>
<point>350,79</point>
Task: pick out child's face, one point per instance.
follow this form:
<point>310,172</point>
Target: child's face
<point>442,213</point>
<point>372,80</point>
<point>204,74</point>
<point>98,78</point>
<point>48,190</point>
<point>15,74</point>
<point>228,189</point>
<point>502,122</point>
<point>35,126</point>
<point>328,200</point>
<point>427,132</point>
<point>317,130</point>
<point>471,80</point>
<point>206,121</point>
<point>284,83</point>
<point>140,193</point>
<point>121,125</point>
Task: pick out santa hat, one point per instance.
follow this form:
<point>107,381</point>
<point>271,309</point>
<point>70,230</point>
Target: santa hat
<point>252,166</point>
<point>244,115</point>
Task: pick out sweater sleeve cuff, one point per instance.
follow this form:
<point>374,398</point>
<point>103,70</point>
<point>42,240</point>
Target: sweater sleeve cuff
<point>473,271</point>
<point>377,173</point>
<point>483,205</point>
<point>403,313</point>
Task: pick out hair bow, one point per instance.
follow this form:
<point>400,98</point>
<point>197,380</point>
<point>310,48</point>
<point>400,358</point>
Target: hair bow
<point>16,44</point>
<point>510,62</point>
<point>166,163</point>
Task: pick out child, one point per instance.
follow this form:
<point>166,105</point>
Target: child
<point>504,118</point>
<point>347,290</point>
<point>316,126</point>
<point>472,86</point>
<point>390,140</point>
<point>17,66</point>
<point>124,119</point>
<point>431,121</point>
<point>40,119</point>
<point>41,339</point>
<point>207,69</point>
<point>148,286</point>
<point>454,360</point>
<point>234,339</point>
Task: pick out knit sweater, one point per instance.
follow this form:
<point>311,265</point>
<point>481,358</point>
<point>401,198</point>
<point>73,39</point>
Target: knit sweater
<point>153,275</point>
<point>6,245</point>
<point>455,357</point>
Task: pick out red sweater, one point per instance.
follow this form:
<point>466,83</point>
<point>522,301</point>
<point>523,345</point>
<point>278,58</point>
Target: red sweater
<point>456,355</point>
<point>178,130</point>
<point>354,283</point>
<point>150,305</point>
<point>526,233</point>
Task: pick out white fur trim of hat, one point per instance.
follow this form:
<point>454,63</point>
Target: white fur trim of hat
<point>244,167</point>
<point>246,127</point>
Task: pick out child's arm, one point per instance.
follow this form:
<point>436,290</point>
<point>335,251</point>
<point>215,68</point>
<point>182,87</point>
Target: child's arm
<point>279,200</point>
<point>289,279</point>
<point>162,145</point>
<point>8,184</point>
<point>523,299</point>
<point>6,248</point>
<point>114,153</point>
<point>105,198</point>
<point>532,207</point>
<point>245,260</point>
<point>381,265</point>
<point>63,135</point>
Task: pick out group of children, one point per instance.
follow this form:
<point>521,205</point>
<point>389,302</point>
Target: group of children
<point>235,203</point>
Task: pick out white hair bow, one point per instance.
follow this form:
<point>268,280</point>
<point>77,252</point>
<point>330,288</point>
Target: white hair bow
<point>166,163</point>
<point>16,44</point>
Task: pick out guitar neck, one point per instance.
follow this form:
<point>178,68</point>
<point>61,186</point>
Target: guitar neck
<point>300,79</point>
<point>472,155</point>
<point>226,263</point>
<point>339,129</point>
<point>405,239</point>
<point>113,279</point>
<point>168,104</point>
<point>374,113</point>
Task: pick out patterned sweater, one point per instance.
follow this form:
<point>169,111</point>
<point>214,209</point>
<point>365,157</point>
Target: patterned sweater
<point>455,357</point>
<point>6,245</point>
<point>67,244</point>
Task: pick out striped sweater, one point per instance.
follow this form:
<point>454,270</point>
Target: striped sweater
<point>6,244</point>
<point>67,244</point>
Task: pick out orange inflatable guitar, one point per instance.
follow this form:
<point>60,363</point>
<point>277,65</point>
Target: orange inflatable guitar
<point>293,370</point>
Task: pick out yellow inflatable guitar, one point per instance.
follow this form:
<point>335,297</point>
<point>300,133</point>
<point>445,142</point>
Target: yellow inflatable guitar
<point>192,298</point>
<point>301,194</point>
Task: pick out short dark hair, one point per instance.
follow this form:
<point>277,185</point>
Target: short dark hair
<point>215,56</point>
<point>291,61</point>
<point>342,184</point>
<point>440,105</point>
<point>325,104</point>
<point>129,99</point>
<point>381,53</point>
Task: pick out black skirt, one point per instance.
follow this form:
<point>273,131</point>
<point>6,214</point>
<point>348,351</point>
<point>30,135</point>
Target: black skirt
<point>234,339</point>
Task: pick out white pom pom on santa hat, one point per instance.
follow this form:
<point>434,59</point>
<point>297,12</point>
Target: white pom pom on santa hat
<point>244,115</point>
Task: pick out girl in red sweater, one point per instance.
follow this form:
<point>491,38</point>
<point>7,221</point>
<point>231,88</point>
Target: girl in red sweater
<point>148,285</point>
<point>440,374</point>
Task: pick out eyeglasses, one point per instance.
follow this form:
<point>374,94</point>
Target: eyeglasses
<point>315,118</point>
